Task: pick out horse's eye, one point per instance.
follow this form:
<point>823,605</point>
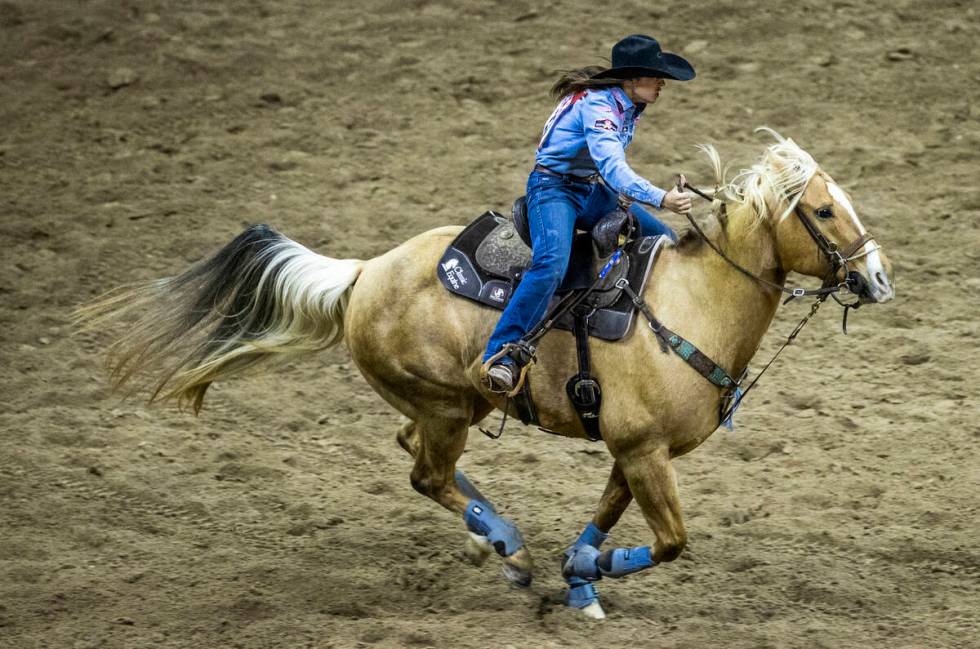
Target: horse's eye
<point>825,213</point>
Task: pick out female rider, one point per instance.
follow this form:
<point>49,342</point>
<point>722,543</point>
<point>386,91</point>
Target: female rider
<point>580,168</point>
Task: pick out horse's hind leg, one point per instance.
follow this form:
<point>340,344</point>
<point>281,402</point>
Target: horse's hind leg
<point>436,444</point>
<point>478,547</point>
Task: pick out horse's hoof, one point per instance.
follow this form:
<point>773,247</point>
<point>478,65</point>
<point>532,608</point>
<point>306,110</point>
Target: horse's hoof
<point>517,576</point>
<point>477,549</point>
<point>594,611</point>
<point>519,567</point>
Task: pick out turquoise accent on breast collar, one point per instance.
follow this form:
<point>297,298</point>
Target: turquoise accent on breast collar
<point>693,356</point>
<point>719,377</point>
<point>682,347</point>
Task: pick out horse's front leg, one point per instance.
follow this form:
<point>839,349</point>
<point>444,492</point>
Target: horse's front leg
<point>651,480</point>
<point>616,498</point>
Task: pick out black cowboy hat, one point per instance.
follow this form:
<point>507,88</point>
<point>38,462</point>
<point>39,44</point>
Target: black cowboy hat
<point>640,56</point>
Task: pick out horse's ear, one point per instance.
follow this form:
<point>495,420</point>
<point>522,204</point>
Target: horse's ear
<point>777,163</point>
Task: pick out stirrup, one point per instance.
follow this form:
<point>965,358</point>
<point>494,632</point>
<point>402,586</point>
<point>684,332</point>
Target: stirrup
<point>521,354</point>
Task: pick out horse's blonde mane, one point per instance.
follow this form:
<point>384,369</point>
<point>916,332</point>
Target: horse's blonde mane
<point>779,176</point>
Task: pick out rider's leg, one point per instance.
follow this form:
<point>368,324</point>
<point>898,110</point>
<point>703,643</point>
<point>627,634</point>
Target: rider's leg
<point>551,212</point>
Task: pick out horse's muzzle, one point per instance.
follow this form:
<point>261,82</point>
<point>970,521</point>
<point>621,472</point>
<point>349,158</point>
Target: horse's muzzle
<point>868,292</point>
<point>858,285</point>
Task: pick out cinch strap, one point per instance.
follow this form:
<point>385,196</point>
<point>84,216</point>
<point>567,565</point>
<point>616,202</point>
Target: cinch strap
<point>583,389</point>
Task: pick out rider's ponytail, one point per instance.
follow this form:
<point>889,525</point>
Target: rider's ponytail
<point>572,81</point>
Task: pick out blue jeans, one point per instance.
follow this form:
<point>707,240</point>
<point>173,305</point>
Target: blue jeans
<point>555,208</point>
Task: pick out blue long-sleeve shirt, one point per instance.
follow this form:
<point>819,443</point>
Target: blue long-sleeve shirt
<point>588,132</point>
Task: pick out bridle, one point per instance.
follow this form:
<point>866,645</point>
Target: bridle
<point>836,257</point>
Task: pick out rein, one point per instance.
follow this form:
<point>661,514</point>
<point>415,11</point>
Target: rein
<point>793,292</point>
<point>836,258</point>
<point>789,339</point>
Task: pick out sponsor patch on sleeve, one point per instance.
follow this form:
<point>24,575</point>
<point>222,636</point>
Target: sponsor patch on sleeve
<point>606,125</point>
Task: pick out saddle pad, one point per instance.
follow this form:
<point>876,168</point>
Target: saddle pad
<point>484,273</point>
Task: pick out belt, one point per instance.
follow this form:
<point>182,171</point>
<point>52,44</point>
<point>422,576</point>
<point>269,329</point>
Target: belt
<point>588,180</point>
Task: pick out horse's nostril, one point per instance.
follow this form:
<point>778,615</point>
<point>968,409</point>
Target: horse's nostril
<point>880,279</point>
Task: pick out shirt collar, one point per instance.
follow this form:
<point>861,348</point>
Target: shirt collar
<point>623,98</point>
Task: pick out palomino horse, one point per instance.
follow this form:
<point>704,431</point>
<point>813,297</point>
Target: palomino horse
<point>264,296</point>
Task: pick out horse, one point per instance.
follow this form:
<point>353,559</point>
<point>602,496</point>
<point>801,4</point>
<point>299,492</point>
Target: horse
<point>265,297</point>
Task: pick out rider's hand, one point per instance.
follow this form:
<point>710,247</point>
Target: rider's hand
<point>677,201</point>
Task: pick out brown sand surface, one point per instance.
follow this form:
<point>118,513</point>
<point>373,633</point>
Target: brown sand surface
<point>138,136</point>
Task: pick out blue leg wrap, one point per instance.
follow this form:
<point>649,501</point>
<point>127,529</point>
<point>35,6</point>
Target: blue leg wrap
<point>581,593</point>
<point>591,535</point>
<point>470,491</point>
<point>589,565</point>
<point>580,564</point>
<point>624,561</point>
<point>503,535</point>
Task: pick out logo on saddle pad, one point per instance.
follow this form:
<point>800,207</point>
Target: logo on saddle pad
<point>498,295</point>
<point>454,273</point>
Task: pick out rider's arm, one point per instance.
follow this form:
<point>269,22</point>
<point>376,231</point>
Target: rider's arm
<point>602,121</point>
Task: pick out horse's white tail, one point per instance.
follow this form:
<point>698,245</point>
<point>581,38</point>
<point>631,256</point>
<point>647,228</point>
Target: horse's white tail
<point>260,297</point>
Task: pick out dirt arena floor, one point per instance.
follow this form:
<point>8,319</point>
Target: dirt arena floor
<point>138,136</point>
